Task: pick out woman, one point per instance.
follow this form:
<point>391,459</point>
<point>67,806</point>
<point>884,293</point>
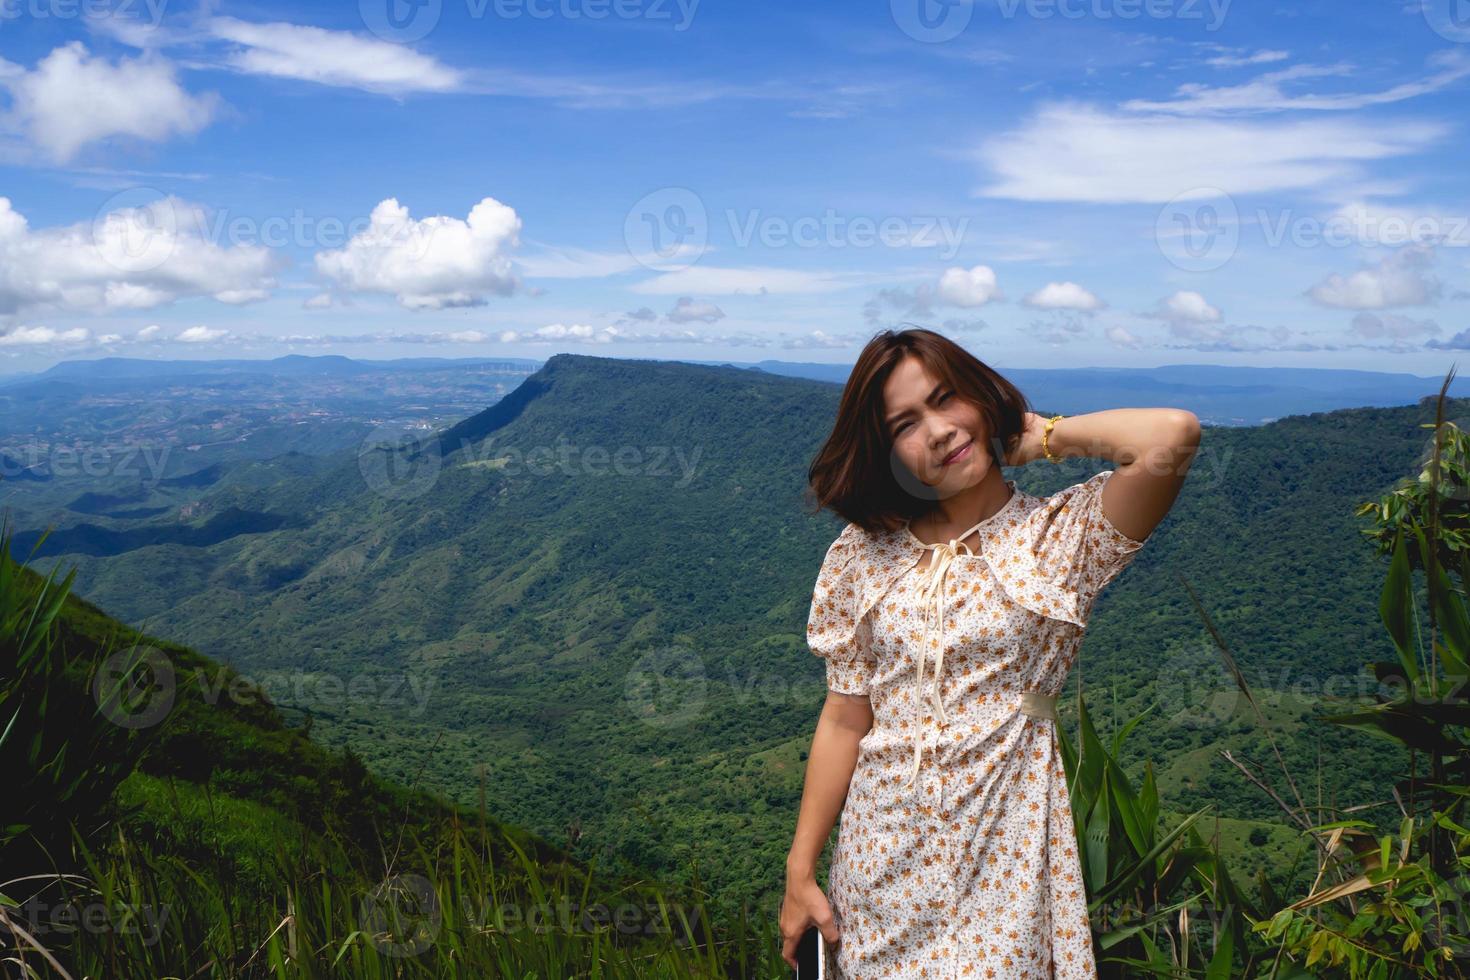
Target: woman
<point>949,612</point>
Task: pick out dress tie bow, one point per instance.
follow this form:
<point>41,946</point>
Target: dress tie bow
<point>933,593</point>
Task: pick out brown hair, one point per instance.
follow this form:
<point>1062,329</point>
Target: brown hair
<point>856,474</point>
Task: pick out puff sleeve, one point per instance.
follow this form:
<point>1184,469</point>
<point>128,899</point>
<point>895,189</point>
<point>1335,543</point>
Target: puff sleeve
<point>1080,543</point>
<point>833,629</point>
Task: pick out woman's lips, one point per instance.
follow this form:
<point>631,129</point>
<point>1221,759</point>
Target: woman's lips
<point>958,455</point>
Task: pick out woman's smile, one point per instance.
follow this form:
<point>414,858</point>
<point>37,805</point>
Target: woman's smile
<point>958,455</point>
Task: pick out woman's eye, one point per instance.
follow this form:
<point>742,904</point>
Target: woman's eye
<point>944,396</point>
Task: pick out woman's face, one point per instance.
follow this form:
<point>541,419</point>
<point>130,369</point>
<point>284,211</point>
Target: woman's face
<point>927,421</point>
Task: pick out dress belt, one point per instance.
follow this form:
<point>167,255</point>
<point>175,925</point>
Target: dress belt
<point>1039,705</point>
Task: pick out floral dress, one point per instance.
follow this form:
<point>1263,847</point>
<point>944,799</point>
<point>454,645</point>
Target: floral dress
<point>957,856</point>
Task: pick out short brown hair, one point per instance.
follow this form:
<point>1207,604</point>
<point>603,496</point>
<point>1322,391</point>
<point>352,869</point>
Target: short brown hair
<point>855,473</point>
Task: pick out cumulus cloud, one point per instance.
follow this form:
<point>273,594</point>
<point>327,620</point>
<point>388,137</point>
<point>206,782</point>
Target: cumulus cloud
<point>200,335</point>
<point>1191,317</point>
<point>968,288</point>
<point>1401,279</point>
<point>686,310</point>
<point>131,258</point>
<point>434,263</point>
<point>72,99</point>
<point>1063,296</point>
<point>38,336</point>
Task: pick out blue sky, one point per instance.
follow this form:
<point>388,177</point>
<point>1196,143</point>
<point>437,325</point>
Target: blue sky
<point>1051,182</point>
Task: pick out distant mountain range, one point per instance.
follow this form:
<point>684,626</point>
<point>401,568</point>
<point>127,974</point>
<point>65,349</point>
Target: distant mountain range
<point>1219,395</point>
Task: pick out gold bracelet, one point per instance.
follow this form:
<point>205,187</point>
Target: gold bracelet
<point>1045,433</point>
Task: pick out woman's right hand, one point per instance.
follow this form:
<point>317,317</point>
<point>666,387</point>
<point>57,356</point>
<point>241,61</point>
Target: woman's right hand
<point>803,906</point>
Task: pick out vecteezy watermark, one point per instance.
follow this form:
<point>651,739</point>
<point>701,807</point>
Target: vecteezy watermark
<point>666,687</point>
<point>409,691</point>
<point>1448,488</point>
<point>405,21</point>
<point>669,229</point>
<point>937,21</point>
<point>404,466</point>
<point>570,916</point>
<point>402,916</point>
<point>1193,688</point>
<point>140,228</point>
<point>399,464</point>
<point>1450,19</point>
<point>836,231</point>
<point>1200,229</point>
<point>96,917</point>
<point>135,688</point>
<point>569,459</point>
<point>141,12</point>
<point>144,463</point>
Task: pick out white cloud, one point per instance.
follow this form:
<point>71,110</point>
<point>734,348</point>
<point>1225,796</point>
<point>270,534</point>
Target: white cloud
<point>1373,327</point>
<point>968,288</point>
<point>1074,152</point>
<point>332,57</point>
<point>37,336</point>
<point>733,282</point>
<point>1369,223</point>
<point>686,310</point>
<point>433,263</point>
<point>200,334</point>
<point>132,258</point>
<point>1238,60</point>
<point>820,340</point>
<point>1187,306</point>
<point>1265,94</point>
<point>1120,337</point>
<point>1401,279</point>
<point>1063,296</point>
<point>72,99</point>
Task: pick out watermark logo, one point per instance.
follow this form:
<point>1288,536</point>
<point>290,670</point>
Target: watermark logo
<point>1449,489</point>
<point>136,230</point>
<point>666,687</point>
<point>402,916</point>
<point>399,465</point>
<point>1199,230</point>
<point>667,230</point>
<point>1450,19</point>
<point>135,688</point>
<point>932,21</point>
<point>400,21</point>
<point>1192,687</point>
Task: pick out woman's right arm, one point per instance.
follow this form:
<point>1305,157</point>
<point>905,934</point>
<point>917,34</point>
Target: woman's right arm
<point>845,719</point>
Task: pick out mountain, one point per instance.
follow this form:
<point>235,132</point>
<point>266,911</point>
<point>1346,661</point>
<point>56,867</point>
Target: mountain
<point>597,589</point>
<point>290,365</point>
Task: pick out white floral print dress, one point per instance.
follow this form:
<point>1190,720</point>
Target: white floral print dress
<point>956,856</point>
